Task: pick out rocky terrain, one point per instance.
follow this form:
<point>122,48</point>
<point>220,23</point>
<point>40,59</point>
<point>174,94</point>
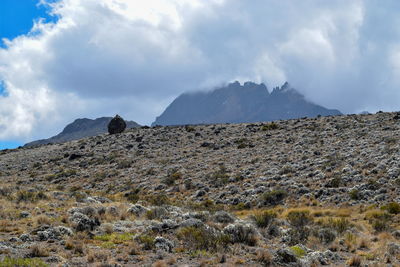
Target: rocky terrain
<point>236,103</point>
<point>305,192</point>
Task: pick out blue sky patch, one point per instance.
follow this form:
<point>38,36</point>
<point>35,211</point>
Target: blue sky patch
<point>3,89</point>
<point>9,145</point>
<point>17,17</point>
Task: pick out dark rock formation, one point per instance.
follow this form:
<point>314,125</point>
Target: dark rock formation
<point>238,103</point>
<point>116,125</point>
<point>79,129</point>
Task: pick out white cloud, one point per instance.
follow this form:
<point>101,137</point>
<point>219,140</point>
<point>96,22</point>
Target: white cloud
<point>133,57</point>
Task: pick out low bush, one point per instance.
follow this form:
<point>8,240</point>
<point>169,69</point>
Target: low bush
<point>273,197</point>
<point>20,262</point>
<point>392,208</point>
<point>265,218</point>
<point>269,126</point>
<point>299,218</point>
<point>202,239</point>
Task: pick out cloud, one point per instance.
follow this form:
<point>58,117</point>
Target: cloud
<point>133,57</point>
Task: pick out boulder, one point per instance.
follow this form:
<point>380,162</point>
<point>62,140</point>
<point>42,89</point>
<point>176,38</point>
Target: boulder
<point>116,125</point>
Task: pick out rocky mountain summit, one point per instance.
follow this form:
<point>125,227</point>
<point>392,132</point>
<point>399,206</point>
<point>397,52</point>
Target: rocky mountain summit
<point>304,192</point>
<point>238,103</point>
<point>79,129</point>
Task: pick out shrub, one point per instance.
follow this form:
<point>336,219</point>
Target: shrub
<point>380,225</point>
<point>326,235</point>
<point>172,177</point>
<point>355,261</point>
<point>133,195</point>
<point>155,213</point>
<point>392,208</point>
<point>299,218</point>
<point>354,194</point>
<point>269,126</point>
<point>220,177</point>
<point>20,262</point>
<point>37,251</point>
<point>28,196</point>
<point>273,197</point>
<point>202,238</point>
<point>124,164</point>
<point>263,219</point>
<point>242,233</point>
<point>265,257</point>
<point>298,251</point>
<point>147,241</point>
<point>338,224</point>
<point>334,182</point>
<point>158,199</point>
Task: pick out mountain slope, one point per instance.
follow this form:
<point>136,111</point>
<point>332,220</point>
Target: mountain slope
<point>238,103</point>
<point>81,128</point>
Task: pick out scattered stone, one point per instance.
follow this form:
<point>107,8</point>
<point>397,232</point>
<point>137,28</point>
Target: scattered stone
<point>164,244</point>
<point>223,217</point>
<point>117,125</point>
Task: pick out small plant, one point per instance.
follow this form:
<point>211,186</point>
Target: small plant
<point>172,177</point>
<point>355,194</point>
<point>38,251</point>
<point>133,195</point>
<point>189,128</point>
<point>273,197</point>
<point>155,213</point>
<point>158,199</point>
<point>124,164</point>
<point>338,224</point>
<point>392,208</point>
<point>20,262</point>
<point>265,218</point>
<point>220,177</point>
<point>334,182</point>
<point>355,261</point>
<point>147,241</point>
<point>299,218</point>
<point>298,251</point>
<point>202,239</point>
<point>269,126</point>
<point>29,196</point>
<point>265,257</point>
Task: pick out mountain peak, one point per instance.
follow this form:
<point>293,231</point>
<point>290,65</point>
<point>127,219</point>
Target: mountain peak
<point>236,104</point>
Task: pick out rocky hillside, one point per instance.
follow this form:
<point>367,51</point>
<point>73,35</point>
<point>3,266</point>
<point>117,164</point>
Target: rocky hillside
<point>302,192</point>
<point>79,129</point>
<point>238,103</point>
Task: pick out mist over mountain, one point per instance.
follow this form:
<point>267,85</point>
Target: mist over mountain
<point>238,103</point>
<point>79,129</point>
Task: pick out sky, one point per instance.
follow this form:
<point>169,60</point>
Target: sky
<point>68,59</point>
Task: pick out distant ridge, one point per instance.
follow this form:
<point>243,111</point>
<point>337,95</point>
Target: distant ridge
<point>80,128</point>
<point>238,103</point>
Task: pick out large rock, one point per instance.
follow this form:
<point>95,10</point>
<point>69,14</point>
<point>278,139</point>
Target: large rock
<point>116,125</point>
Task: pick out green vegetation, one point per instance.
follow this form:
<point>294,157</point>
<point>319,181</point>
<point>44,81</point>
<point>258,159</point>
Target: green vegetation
<point>20,262</point>
<point>273,197</point>
<point>147,241</point>
<point>299,218</point>
<point>29,196</point>
<point>264,218</point>
<point>115,238</point>
<point>269,126</point>
<point>354,194</point>
<point>202,239</point>
<point>392,208</point>
<point>172,177</point>
<point>220,177</point>
<point>298,251</point>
